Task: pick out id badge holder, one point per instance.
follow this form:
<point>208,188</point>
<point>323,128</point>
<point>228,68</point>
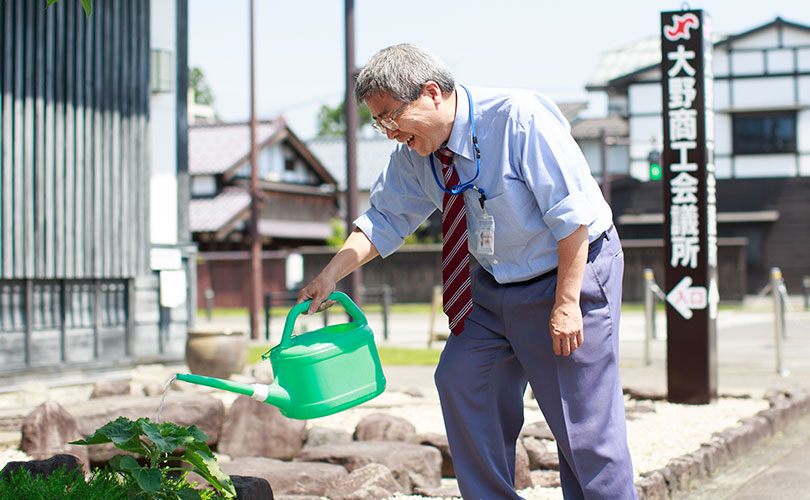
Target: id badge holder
<point>486,234</point>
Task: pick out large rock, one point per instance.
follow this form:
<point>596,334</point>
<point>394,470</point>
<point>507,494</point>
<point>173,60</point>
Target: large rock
<point>256,429</point>
<point>523,476</point>
<point>205,412</point>
<point>542,454</point>
<point>384,427</point>
<point>111,388</point>
<point>682,473</point>
<point>252,488</point>
<point>412,465</point>
<point>653,486</point>
<point>537,430</point>
<point>370,482</point>
<point>48,429</point>
<point>438,441</point>
<point>546,478</point>
<point>286,478</point>
<point>44,467</point>
<point>318,436</point>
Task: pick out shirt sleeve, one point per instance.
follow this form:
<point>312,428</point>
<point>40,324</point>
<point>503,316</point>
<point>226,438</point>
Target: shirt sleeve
<point>555,169</point>
<point>398,205</point>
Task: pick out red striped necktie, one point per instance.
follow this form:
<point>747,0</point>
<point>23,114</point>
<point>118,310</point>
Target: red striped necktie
<point>455,259</point>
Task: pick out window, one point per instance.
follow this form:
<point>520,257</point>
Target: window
<point>161,71</point>
<point>764,133</point>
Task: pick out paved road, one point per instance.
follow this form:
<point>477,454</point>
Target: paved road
<point>776,470</point>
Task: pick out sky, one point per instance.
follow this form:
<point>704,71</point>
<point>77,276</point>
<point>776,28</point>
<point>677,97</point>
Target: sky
<point>551,46</point>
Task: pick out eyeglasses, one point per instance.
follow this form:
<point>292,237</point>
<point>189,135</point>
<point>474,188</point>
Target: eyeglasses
<point>386,125</point>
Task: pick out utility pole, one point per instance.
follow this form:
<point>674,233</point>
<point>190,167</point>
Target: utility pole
<point>355,281</point>
<point>255,304</point>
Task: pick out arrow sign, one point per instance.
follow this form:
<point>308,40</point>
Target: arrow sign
<point>685,297</point>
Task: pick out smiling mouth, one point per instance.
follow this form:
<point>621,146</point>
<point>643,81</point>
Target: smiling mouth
<point>409,142</point>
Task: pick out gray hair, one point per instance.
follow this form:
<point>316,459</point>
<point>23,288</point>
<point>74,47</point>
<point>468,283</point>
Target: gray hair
<point>401,71</point>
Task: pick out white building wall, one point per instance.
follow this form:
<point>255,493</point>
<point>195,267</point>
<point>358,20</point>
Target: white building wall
<point>163,133</point>
<point>804,90</point>
<point>779,165</point>
<point>645,135</point>
<point>803,56</point>
<point>747,63</point>
<point>780,61</point>
<point>720,63</point>
<point>756,54</point>
<point>765,92</point>
<point>803,132</point>
<point>760,40</point>
<point>722,134</point>
<point>617,158</point>
<point>722,97</point>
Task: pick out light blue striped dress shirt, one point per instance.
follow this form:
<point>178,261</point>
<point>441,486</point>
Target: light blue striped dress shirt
<point>538,185</point>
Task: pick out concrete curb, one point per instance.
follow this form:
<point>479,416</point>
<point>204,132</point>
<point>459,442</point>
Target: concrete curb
<point>683,473</point>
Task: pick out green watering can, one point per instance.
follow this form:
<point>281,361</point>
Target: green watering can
<point>317,373</point>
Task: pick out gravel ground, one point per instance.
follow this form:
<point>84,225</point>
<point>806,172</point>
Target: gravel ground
<point>657,430</point>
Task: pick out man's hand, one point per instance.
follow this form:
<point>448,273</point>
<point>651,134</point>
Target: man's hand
<point>318,291</point>
<point>565,326</point>
<point>356,251</point>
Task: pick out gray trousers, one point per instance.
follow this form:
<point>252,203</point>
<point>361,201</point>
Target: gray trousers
<point>482,377</point>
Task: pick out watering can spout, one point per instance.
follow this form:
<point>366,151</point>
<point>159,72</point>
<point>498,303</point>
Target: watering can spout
<point>266,393</point>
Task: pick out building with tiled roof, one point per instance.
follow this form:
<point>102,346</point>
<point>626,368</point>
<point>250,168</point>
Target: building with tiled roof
<point>299,195</point>
<point>299,200</point>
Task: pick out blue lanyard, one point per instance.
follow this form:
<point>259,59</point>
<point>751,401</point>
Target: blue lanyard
<point>460,188</point>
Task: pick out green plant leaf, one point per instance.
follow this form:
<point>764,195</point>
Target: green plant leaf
<point>148,479</point>
<point>205,464</point>
<point>118,431</point>
<point>122,432</point>
<point>197,433</point>
<point>50,2</point>
<point>88,7</point>
<point>163,437</point>
<point>124,463</point>
<point>189,494</point>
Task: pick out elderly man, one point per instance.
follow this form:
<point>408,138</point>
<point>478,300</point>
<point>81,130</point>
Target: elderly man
<point>543,304</point>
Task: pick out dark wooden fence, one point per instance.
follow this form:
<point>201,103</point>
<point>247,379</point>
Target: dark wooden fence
<point>414,270</point>
<point>45,323</point>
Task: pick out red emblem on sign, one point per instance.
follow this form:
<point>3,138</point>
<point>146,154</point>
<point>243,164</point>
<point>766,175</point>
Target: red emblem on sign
<point>681,26</point>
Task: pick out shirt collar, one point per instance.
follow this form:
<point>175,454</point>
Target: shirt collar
<point>460,141</point>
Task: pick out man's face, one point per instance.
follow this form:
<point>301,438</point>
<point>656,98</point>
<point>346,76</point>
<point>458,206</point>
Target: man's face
<point>421,126</point>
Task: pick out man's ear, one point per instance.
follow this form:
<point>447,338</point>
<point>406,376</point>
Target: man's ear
<point>433,91</point>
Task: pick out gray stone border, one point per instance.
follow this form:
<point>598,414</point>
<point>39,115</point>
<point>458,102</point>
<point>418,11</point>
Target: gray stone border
<point>684,473</point>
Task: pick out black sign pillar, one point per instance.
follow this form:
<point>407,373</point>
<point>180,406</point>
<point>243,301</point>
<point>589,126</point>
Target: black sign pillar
<point>690,213</point>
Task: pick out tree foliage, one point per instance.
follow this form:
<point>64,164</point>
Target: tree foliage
<point>332,121</point>
<point>202,92</point>
<point>86,4</point>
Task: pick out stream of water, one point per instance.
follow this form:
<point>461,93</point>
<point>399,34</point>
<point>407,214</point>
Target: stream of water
<point>163,399</point>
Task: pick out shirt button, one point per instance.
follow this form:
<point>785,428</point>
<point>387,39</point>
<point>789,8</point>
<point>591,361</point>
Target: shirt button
<point>495,261</point>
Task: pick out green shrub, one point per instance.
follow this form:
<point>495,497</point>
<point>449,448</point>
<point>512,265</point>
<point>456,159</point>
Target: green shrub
<point>64,484</point>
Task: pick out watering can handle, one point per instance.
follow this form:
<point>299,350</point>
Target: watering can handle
<point>341,297</point>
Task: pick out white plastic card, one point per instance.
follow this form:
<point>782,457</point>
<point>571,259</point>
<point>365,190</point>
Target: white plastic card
<point>486,234</point>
